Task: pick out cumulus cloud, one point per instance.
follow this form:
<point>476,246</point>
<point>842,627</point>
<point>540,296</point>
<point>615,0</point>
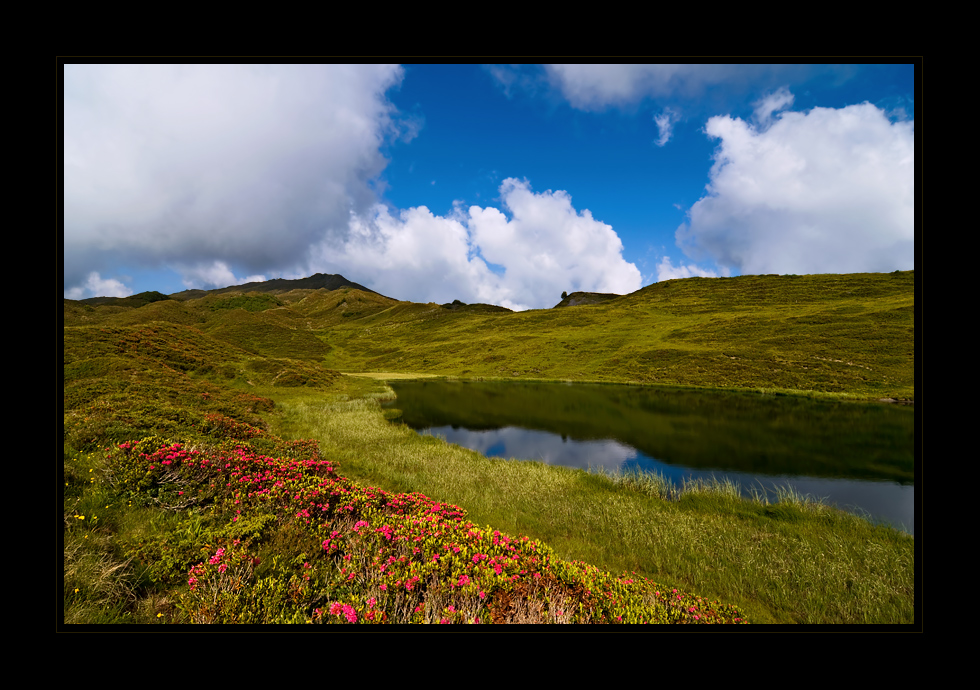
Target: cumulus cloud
<point>547,245</point>
<point>213,273</point>
<point>202,166</point>
<point>95,285</point>
<point>414,255</point>
<point>234,173</point>
<point>480,254</point>
<point>667,271</point>
<point>825,191</point>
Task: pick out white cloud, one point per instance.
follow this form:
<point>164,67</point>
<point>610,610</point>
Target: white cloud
<point>213,274</point>
<point>597,87</point>
<point>665,124</point>
<point>826,191</point>
<point>256,170</point>
<point>548,246</point>
<point>188,165</point>
<point>96,286</point>
<point>667,271</point>
<point>544,248</point>
<point>417,256</point>
<point>771,103</point>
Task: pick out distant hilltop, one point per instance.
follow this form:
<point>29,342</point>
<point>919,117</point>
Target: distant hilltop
<point>314,282</point>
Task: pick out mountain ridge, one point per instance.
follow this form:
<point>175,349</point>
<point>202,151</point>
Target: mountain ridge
<point>317,281</point>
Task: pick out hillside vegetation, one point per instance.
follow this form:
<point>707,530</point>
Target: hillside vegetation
<point>851,335</point>
<point>166,401</point>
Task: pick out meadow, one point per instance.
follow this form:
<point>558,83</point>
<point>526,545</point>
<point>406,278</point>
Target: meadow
<point>219,466</point>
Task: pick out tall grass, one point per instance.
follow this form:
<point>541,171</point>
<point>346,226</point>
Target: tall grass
<point>97,589</point>
<point>788,560</point>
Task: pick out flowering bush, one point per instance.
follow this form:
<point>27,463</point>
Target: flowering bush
<point>220,426</point>
<point>216,585</point>
<point>364,555</point>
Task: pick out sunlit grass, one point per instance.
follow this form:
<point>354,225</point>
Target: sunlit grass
<point>208,373</point>
<point>781,559</point>
<point>848,335</point>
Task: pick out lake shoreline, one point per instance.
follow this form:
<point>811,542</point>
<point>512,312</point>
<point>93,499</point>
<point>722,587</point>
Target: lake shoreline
<point>807,445</point>
<point>517,498</point>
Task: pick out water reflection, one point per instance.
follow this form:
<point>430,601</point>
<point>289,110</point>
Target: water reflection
<point>514,442</point>
<point>860,457</point>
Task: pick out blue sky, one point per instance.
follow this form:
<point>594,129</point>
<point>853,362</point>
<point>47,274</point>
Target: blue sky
<point>505,184</point>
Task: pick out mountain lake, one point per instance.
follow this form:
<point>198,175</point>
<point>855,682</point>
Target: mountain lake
<point>858,456</point>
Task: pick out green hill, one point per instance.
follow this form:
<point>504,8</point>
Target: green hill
<point>317,281</point>
<point>233,375</point>
<point>848,335</point>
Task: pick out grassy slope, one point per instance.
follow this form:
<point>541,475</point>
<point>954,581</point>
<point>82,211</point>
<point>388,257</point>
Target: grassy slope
<point>789,563</point>
<point>846,335</point>
<point>850,334</point>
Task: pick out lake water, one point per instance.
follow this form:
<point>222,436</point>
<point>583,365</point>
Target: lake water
<point>859,456</point>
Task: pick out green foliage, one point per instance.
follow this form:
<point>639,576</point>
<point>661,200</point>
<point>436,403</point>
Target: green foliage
<point>334,551</point>
<point>97,587</point>
<point>250,302</point>
<point>184,382</point>
<point>777,564</point>
<point>817,335</point>
<point>127,472</point>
